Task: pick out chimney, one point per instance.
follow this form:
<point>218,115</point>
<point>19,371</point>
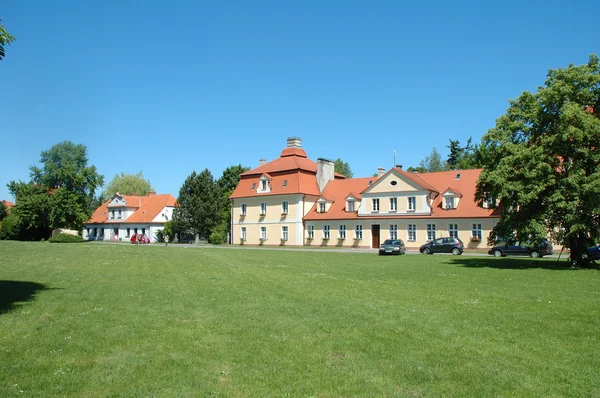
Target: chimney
<point>133,194</point>
<point>262,162</point>
<point>324,172</point>
<point>380,172</point>
<point>151,193</point>
<point>294,142</point>
<point>399,166</point>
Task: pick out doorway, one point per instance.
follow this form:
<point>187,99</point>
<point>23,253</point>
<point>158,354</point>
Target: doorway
<point>374,236</point>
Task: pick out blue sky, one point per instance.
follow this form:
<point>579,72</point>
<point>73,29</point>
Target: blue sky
<point>172,87</point>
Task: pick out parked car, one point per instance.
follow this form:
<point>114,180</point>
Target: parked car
<point>443,245</point>
<point>392,246</point>
<point>593,252</point>
<point>542,249</point>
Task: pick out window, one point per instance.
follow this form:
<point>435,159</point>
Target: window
<point>253,185</point>
<point>284,207</point>
<point>358,232</point>
<point>476,231</point>
<point>112,214</point>
<point>411,232</point>
<point>342,232</point>
<point>412,203</point>
<point>284,183</point>
<point>453,230</point>
<point>394,232</point>
<point>430,231</point>
<point>450,202</point>
<point>128,232</point>
<point>143,231</point>
<point>326,231</point>
<point>119,214</point>
<point>89,230</point>
<point>263,185</point>
<point>243,233</point>
<point>322,207</point>
<point>135,230</point>
<point>393,183</point>
<point>284,232</point>
<point>263,233</point>
<point>95,231</point>
<point>263,208</point>
<point>311,232</point>
<point>102,233</point>
<point>491,203</point>
<point>375,204</point>
<point>393,205</point>
<point>244,209</point>
<point>350,205</point>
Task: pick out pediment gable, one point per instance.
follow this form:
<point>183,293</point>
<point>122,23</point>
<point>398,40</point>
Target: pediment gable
<point>397,181</point>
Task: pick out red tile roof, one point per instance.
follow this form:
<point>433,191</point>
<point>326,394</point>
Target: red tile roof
<point>339,190</point>
<point>8,204</point>
<point>148,207</point>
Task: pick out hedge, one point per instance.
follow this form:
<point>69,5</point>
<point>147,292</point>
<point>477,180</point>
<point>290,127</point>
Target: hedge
<point>66,238</point>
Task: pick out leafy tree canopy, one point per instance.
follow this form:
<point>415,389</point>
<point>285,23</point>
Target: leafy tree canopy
<point>5,39</point>
<point>543,162</point>
<point>230,178</point>
<point>3,211</point>
<point>127,184</point>
<point>343,168</point>
<point>432,162</point>
<point>60,191</point>
<point>201,204</point>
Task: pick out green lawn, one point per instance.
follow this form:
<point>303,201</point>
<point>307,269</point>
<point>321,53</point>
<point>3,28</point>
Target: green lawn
<point>124,320</point>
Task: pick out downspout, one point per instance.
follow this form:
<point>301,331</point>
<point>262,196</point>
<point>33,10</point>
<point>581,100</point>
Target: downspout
<point>231,222</point>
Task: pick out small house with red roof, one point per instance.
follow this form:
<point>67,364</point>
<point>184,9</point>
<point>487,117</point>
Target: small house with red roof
<point>295,201</point>
<point>7,204</point>
<point>125,215</point>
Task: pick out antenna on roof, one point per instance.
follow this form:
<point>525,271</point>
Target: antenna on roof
<point>394,157</point>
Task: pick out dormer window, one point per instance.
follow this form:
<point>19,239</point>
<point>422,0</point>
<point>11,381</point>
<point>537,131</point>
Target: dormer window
<point>263,185</point>
<point>322,207</point>
<point>450,202</point>
<point>253,185</point>
<point>350,205</point>
<point>284,183</point>
<point>457,176</point>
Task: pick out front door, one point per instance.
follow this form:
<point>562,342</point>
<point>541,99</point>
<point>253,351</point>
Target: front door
<point>375,236</point>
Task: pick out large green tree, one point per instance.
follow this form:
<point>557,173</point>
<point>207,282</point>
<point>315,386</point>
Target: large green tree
<point>543,162</point>
<point>126,184</point>
<point>5,39</point>
<point>464,157</point>
<point>3,211</point>
<point>343,168</point>
<point>227,183</point>
<point>431,163</point>
<point>59,193</point>
<point>201,204</point>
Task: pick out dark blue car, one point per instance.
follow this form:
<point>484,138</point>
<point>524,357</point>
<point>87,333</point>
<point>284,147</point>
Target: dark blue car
<point>594,252</point>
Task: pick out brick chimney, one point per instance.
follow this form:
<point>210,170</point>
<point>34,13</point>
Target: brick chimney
<point>262,162</point>
<point>380,172</point>
<point>151,193</point>
<point>294,142</point>
<point>325,169</point>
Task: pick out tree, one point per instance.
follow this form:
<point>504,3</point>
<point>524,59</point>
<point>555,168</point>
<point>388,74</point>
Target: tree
<point>126,184</point>
<point>3,211</point>
<point>227,183</point>
<point>431,163</point>
<point>343,168</point>
<point>463,158</point>
<point>543,164</point>
<point>5,39</point>
<point>60,192</point>
<point>201,204</point>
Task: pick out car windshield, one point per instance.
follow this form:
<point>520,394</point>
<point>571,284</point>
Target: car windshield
<point>392,242</point>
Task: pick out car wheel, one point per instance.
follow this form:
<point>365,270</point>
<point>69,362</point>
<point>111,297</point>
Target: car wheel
<point>426,251</point>
<point>455,251</point>
<point>497,253</point>
<point>534,254</point>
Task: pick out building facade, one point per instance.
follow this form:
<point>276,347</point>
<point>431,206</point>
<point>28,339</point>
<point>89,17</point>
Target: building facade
<point>126,215</point>
<point>295,201</point>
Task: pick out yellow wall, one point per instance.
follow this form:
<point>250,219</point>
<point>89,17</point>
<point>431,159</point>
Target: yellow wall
<point>383,185</point>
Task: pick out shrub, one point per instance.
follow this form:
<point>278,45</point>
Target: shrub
<point>66,238</point>
<point>218,235</point>
<point>10,227</point>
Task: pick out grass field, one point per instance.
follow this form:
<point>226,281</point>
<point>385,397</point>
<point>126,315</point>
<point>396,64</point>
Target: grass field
<point>125,320</point>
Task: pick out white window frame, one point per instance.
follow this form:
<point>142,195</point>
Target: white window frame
<point>322,207</point>
<point>358,232</point>
<point>263,233</point>
<point>310,231</point>
<point>342,231</point>
<point>450,202</point>
<point>411,232</point>
<point>112,214</point>
<point>393,204</point>
<point>243,233</point>
<point>243,209</point>
<point>394,231</point>
<point>412,203</point>
<point>453,230</point>
<point>263,208</point>
<point>120,214</point>
<point>350,205</point>
<point>476,231</point>
<point>431,232</point>
<point>285,207</point>
<point>375,205</point>
<point>326,232</point>
<point>284,232</point>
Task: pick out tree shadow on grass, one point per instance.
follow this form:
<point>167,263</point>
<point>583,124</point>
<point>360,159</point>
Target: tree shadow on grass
<point>511,263</point>
<point>13,292</point>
